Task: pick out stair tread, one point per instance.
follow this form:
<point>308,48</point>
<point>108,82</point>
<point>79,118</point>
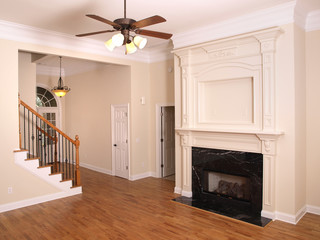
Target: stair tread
<point>29,159</point>
<point>65,180</point>
<point>56,173</point>
<point>49,165</point>
<point>75,186</point>
<point>21,150</point>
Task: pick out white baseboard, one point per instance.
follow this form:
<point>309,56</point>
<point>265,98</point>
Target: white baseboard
<point>268,214</point>
<point>186,193</point>
<point>177,190</point>
<point>313,209</point>
<point>32,201</point>
<point>142,175</point>
<point>97,169</point>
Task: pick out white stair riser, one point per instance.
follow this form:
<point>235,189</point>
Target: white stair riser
<point>44,173</point>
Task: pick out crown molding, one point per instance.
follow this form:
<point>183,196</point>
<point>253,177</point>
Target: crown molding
<point>313,21</point>
<point>275,16</point>
<point>23,33</point>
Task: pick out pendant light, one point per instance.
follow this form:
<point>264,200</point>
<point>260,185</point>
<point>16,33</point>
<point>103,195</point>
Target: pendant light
<point>60,90</point>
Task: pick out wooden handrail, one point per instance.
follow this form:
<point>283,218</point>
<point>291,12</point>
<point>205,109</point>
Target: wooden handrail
<point>46,121</point>
<point>47,134</point>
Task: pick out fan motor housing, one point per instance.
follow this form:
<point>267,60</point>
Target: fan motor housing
<point>125,23</point>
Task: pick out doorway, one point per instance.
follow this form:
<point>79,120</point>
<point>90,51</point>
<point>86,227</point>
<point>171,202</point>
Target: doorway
<point>120,140</point>
<point>166,142</point>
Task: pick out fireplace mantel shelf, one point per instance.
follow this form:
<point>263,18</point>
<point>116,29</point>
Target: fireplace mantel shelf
<point>252,132</point>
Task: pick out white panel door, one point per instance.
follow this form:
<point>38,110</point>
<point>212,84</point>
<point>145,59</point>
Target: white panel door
<point>168,142</point>
<point>120,141</point>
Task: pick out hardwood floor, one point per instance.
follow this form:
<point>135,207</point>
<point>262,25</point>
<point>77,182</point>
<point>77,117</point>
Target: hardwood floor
<point>114,208</point>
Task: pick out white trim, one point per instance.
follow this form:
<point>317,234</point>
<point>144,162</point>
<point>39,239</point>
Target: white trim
<point>186,193</point>
<point>266,18</point>
<point>142,175</point>
<point>268,214</point>
<point>28,34</point>
<point>95,168</point>
<point>313,209</point>
<point>313,21</point>
<point>177,190</point>
<point>32,201</point>
<point>290,218</point>
<point>158,136</point>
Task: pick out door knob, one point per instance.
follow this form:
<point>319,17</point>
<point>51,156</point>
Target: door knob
<point>115,145</point>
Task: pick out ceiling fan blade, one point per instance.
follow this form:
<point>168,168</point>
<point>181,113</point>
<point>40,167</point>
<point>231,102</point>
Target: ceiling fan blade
<point>154,34</point>
<point>101,19</point>
<point>148,21</point>
<point>93,33</point>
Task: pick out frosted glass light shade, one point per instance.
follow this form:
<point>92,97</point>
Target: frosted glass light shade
<point>117,39</point>
<point>109,44</point>
<point>140,42</point>
<point>60,92</point>
<point>130,48</point>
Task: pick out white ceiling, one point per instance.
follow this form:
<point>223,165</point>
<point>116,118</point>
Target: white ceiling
<point>68,16</point>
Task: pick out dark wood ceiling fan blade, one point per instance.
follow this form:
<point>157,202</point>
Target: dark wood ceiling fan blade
<point>154,34</point>
<point>148,21</point>
<point>93,33</point>
<point>101,19</point>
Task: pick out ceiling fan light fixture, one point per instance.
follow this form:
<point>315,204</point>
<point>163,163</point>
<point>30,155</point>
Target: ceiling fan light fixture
<point>117,39</point>
<point>140,42</point>
<point>130,48</point>
<point>109,44</point>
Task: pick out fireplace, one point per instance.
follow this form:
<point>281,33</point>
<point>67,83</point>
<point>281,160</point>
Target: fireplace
<point>225,99</point>
<point>230,179</point>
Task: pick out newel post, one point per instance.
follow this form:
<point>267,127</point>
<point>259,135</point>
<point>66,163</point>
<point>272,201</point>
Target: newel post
<point>77,143</point>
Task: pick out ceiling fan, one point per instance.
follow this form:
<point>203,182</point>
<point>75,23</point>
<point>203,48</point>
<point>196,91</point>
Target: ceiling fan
<point>127,26</point>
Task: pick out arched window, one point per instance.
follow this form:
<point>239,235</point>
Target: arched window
<point>45,98</point>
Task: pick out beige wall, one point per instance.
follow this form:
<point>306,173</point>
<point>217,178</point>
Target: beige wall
<point>88,111</point>
<point>313,117</point>
<point>22,182</point>
<point>161,93</point>
<point>300,118</point>
<point>27,79</point>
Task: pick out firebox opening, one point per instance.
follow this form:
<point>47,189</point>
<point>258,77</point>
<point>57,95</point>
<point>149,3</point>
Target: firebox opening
<point>227,185</point>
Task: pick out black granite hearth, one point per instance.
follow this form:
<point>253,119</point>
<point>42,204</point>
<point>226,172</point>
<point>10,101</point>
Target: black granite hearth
<point>222,209</point>
<point>228,183</point>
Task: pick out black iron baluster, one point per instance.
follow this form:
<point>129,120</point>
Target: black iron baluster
<point>24,127</point>
<point>66,161</point>
<point>69,166</point>
<point>59,152</point>
<point>51,143</point>
<point>40,142</point>
<point>73,175</point>
<point>29,133</point>
<point>62,156</point>
<point>32,137</point>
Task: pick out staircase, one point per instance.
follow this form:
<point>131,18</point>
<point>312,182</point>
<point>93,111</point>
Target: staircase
<point>48,152</point>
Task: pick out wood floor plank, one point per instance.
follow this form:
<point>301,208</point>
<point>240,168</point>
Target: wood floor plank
<point>115,208</point>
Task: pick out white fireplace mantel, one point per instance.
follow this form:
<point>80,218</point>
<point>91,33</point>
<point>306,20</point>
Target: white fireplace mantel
<point>225,99</point>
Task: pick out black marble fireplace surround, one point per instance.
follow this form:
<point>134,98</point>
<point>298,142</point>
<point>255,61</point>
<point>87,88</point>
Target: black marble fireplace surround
<point>245,205</point>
